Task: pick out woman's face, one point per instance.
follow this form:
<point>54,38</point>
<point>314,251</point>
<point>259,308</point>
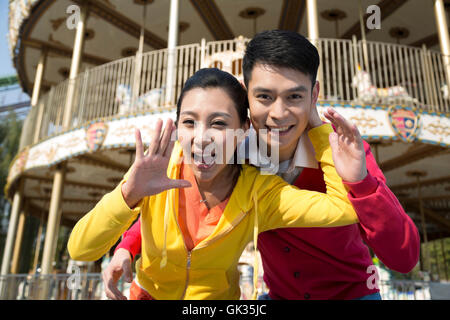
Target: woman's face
<point>207,126</point>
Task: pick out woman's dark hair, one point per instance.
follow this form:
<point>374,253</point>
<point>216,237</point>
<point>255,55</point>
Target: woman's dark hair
<point>281,48</point>
<point>215,78</point>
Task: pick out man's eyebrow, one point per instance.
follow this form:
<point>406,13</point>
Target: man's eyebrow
<point>261,89</point>
<point>298,88</point>
<point>294,89</point>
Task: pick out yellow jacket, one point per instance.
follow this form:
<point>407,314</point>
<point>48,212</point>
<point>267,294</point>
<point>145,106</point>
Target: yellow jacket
<point>257,203</point>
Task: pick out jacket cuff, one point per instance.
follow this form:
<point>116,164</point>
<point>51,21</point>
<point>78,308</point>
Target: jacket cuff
<point>122,213</point>
<point>319,137</point>
<point>364,187</point>
<point>126,246</point>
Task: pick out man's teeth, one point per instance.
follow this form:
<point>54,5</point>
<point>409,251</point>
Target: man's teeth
<point>281,129</point>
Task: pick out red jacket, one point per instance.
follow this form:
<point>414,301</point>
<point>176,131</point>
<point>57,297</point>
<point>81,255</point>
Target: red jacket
<point>331,263</point>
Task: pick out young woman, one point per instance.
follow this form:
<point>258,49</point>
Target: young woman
<point>198,215</point>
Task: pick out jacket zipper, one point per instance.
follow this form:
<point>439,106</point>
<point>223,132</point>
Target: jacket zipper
<point>189,252</point>
<point>188,263</point>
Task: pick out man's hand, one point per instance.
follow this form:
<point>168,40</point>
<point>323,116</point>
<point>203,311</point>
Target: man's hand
<point>347,148</point>
<point>119,265</point>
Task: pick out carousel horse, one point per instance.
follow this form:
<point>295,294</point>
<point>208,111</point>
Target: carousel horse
<point>367,92</point>
<point>149,100</point>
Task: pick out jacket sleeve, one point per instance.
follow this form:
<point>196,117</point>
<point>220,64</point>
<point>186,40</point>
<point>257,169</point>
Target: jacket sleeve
<point>99,230</point>
<point>384,225</point>
<point>131,240</point>
<point>283,205</point>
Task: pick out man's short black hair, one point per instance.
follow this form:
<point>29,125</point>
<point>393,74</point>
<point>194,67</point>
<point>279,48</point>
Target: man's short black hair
<point>281,48</point>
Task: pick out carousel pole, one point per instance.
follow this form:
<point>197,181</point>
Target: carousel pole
<point>12,227</point>
<point>138,61</point>
<point>363,38</point>
<point>58,179</point>
<point>313,35</point>
<point>37,91</point>
<point>444,41</point>
<point>171,49</point>
<point>40,70</point>
<point>18,242</point>
<point>37,250</point>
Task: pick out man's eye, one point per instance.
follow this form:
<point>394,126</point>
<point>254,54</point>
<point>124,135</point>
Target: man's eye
<point>263,96</point>
<point>295,96</point>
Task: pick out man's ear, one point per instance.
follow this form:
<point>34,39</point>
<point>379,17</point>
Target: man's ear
<point>315,93</point>
<point>243,84</point>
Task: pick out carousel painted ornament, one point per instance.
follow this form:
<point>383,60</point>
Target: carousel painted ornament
<point>18,166</point>
<point>95,135</point>
<point>405,123</point>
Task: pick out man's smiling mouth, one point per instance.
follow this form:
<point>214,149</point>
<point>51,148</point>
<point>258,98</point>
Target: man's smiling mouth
<point>280,130</point>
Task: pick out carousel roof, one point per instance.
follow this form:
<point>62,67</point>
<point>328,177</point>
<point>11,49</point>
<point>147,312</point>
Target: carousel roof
<point>113,27</point>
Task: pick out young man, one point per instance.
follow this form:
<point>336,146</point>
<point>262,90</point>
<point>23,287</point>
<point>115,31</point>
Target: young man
<point>280,69</point>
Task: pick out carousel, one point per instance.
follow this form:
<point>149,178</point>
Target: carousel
<point>97,69</point>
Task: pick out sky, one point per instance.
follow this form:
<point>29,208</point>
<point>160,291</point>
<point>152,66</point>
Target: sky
<point>6,66</point>
<point>15,93</point>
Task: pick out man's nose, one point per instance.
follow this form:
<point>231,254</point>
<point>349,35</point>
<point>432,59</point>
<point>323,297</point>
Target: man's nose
<point>278,110</point>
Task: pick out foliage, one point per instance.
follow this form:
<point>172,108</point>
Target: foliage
<point>10,130</point>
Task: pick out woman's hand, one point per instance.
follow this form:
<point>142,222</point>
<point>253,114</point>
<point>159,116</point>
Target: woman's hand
<point>347,148</point>
<point>148,175</point>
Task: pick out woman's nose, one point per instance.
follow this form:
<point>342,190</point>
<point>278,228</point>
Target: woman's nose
<point>202,136</point>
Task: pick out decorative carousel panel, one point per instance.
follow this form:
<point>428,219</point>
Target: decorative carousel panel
<point>57,149</point>
<point>435,129</point>
<point>396,122</point>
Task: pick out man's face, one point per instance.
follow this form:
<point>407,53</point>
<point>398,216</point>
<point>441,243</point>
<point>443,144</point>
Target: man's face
<point>281,99</point>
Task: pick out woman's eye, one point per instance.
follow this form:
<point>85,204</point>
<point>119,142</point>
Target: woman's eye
<point>219,123</point>
<point>188,122</point>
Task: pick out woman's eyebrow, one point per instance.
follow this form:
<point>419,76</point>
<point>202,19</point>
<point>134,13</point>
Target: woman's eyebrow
<point>212,115</point>
<point>189,113</point>
<point>218,114</point>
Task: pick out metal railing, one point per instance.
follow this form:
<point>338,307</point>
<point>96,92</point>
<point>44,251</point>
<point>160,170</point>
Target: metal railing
<point>90,287</point>
<point>50,287</point>
<point>352,72</point>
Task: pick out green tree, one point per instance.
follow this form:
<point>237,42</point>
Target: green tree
<point>10,131</point>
